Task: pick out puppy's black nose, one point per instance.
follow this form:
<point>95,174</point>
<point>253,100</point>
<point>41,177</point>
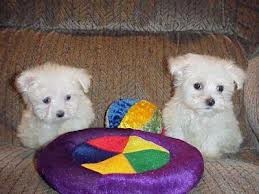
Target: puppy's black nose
<point>210,101</point>
<point>60,114</point>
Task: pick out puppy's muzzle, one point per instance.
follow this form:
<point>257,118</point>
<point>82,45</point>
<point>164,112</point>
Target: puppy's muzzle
<point>210,101</point>
<point>60,113</point>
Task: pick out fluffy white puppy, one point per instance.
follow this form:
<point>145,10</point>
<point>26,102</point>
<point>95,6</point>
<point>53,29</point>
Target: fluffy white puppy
<point>55,103</point>
<point>201,110</point>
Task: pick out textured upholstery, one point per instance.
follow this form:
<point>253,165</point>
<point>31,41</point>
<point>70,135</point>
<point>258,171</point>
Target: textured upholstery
<point>251,97</point>
<point>18,174</point>
<point>232,17</point>
<point>140,16</point>
<point>127,66</point>
<point>229,176</point>
<point>124,44</point>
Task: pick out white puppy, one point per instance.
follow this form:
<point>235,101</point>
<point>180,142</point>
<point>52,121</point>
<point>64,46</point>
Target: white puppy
<point>201,111</point>
<point>55,103</point>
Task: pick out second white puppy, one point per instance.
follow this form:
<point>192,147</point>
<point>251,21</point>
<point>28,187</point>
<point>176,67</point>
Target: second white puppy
<point>55,103</point>
<point>201,111</point>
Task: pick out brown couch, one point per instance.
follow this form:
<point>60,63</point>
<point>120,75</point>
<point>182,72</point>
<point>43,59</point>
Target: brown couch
<point>123,45</point>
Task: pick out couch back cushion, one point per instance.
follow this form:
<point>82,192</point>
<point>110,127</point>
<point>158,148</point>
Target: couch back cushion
<point>121,66</point>
<point>120,16</point>
<point>126,17</point>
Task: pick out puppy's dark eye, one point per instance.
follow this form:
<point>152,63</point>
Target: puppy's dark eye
<point>220,88</point>
<point>197,86</point>
<point>68,97</point>
<point>46,100</point>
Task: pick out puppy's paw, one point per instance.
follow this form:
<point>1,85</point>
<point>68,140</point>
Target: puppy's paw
<point>175,133</point>
<point>211,151</point>
<point>212,155</point>
<point>29,142</point>
<point>65,130</point>
<point>231,148</point>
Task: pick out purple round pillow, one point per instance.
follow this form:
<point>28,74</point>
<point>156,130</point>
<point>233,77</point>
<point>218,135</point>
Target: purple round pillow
<point>119,161</point>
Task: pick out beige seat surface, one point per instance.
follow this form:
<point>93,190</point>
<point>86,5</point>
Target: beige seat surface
<point>18,174</point>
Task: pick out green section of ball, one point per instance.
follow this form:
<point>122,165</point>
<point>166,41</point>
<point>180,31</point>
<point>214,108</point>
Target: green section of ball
<point>155,124</point>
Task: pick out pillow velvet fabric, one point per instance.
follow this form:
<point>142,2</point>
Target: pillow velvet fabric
<point>119,161</point>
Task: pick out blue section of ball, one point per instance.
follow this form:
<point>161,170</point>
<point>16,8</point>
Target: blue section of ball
<point>85,153</point>
<point>117,111</point>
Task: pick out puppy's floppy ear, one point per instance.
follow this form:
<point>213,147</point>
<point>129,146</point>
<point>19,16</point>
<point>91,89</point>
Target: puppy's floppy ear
<point>84,79</point>
<point>25,80</point>
<point>178,65</point>
<point>237,74</point>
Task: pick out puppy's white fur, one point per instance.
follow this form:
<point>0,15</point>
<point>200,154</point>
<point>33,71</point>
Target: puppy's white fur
<point>63,89</point>
<point>187,116</point>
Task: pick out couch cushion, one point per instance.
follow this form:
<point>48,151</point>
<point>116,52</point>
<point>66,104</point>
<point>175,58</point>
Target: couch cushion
<point>128,17</point>
<point>229,176</point>
<point>251,96</point>
<point>121,67</point>
<point>18,174</point>
<point>116,16</point>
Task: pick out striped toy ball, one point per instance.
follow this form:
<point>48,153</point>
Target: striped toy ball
<point>135,114</point>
